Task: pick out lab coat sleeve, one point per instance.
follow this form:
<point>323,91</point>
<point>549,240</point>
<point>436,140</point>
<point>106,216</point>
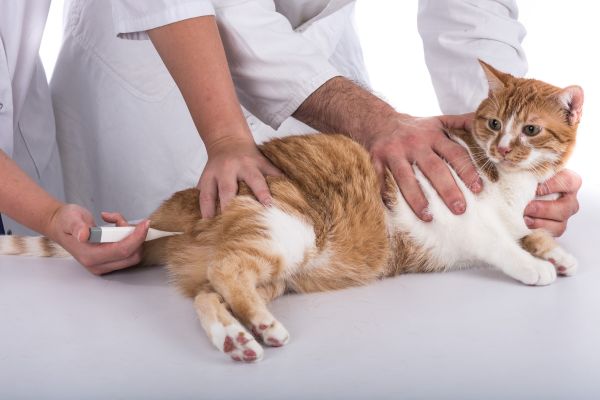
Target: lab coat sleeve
<point>275,68</point>
<point>132,18</point>
<point>455,34</point>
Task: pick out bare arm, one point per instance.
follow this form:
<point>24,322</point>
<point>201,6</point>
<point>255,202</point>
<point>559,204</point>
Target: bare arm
<point>395,141</point>
<point>23,200</point>
<point>193,53</point>
<point>67,224</point>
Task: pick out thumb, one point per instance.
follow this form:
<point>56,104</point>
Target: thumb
<point>77,226</point>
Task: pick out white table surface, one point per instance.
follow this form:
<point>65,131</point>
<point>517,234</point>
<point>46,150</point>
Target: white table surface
<point>476,334</point>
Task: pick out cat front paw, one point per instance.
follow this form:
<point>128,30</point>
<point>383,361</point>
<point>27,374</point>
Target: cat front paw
<point>564,262</point>
<point>539,273</point>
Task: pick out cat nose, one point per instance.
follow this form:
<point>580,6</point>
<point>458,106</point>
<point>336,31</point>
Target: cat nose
<point>504,150</point>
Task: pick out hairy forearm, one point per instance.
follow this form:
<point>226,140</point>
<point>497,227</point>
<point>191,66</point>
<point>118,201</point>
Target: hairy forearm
<point>194,55</point>
<point>342,106</point>
<point>22,199</point>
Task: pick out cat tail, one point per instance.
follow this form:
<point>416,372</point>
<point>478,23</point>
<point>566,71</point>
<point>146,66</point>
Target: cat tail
<point>154,252</point>
<point>32,246</point>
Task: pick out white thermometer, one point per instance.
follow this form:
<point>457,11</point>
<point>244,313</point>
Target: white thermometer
<point>111,234</point>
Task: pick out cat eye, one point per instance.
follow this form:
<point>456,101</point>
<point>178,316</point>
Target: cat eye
<point>494,124</point>
<point>531,130</point>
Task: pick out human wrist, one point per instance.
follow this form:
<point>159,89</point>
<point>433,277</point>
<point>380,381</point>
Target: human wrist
<point>219,142</point>
<point>48,226</point>
<point>383,125</point>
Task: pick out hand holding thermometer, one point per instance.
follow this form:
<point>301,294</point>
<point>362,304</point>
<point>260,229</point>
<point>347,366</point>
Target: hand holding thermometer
<point>111,234</point>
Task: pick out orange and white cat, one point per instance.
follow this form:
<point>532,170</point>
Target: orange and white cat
<point>329,229</point>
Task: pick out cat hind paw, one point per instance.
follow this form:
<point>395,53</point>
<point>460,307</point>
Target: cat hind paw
<point>236,342</point>
<point>272,334</point>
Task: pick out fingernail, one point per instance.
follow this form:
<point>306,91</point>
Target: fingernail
<point>426,215</point>
<point>529,221</point>
<point>459,207</point>
<point>268,202</point>
<point>147,224</point>
<point>477,186</point>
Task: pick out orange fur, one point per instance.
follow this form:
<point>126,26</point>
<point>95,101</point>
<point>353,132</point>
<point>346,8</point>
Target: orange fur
<point>331,185</point>
<point>229,265</point>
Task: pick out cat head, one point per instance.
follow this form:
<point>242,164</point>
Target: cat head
<point>526,124</point>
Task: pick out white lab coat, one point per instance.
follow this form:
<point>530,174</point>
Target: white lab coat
<point>27,131</point>
<point>126,137</point>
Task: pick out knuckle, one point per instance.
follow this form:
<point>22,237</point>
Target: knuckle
<point>206,198</point>
<point>575,207</point>
<point>412,140</point>
<point>576,181</point>
<point>227,189</point>
<point>405,175</point>
<point>229,164</point>
<point>123,252</point>
<point>86,262</point>
<point>137,258</point>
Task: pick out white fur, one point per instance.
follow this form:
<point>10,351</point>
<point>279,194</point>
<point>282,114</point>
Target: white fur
<point>291,237</point>
<point>488,231</point>
<point>509,133</point>
<point>320,260</point>
<point>277,332</point>
<point>218,333</point>
<point>562,259</point>
<point>6,246</point>
<point>505,140</point>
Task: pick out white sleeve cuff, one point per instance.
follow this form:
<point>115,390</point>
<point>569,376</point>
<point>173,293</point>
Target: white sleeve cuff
<point>275,118</point>
<point>131,22</point>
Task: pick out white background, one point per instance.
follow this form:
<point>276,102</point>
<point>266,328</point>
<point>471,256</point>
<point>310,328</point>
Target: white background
<point>559,45</point>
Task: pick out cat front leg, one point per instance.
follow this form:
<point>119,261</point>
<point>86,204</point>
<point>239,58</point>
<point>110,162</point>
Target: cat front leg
<point>236,279</point>
<point>509,257</point>
<point>541,244</point>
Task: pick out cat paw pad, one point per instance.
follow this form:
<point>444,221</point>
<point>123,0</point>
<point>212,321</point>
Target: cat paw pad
<point>273,334</point>
<point>236,342</point>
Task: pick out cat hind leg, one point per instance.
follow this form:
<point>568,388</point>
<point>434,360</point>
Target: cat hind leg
<point>236,279</point>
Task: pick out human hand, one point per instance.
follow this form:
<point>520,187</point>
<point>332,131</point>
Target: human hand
<point>422,141</point>
<point>70,227</point>
<point>230,161</point>
<point>553,215</point>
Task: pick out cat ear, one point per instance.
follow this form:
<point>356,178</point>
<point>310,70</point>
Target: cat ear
<point>571,99</point>
<point>496,79</point>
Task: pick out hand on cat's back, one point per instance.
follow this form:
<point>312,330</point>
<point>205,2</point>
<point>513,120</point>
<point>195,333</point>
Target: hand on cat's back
<point>553,215</point>
<point>422,142</point>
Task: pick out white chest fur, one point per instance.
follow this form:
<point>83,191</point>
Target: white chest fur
<point>491,216</point>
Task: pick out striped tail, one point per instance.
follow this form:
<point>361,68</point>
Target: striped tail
<point>33,246</point>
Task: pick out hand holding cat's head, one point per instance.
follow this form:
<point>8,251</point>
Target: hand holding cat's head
<point>526,124</point>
